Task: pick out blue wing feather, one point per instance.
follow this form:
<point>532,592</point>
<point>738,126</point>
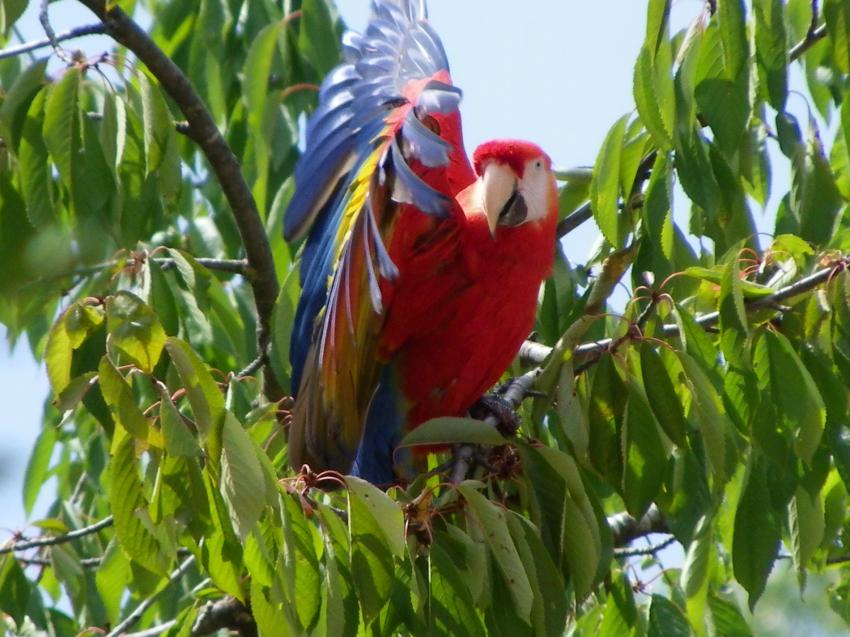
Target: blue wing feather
<point>353,174</point>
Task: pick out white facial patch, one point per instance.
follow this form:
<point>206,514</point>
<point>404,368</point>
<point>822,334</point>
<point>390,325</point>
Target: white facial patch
<point>534,188</point>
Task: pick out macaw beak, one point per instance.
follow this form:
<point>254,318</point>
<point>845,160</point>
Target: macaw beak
<point>500,185</point>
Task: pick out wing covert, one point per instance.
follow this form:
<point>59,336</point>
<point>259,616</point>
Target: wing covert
<point>375,148</point>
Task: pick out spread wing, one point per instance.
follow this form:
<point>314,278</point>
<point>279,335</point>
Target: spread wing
<point>380,148</point>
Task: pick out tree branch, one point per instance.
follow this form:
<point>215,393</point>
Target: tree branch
<point>203,130</point>
<point>812,38</point>
<point>146,603</point>
<point>57,539</point>
<point>234,266</point>
<point>536,353</point>
<point>77,32</point>
<point>515,392</point>
<point>574,220</point>
<point>626,528</point>
<point>224,613</point>
<point>649,550</point>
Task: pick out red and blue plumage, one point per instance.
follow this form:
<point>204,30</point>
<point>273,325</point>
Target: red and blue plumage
<point>420,272</point>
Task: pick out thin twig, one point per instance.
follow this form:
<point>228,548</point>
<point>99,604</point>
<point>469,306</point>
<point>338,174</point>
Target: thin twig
<point>203,130</point>
<point>253,366</point>
<point>574,220</point>
<point>648,550</point>
<point>236,266</point>
<point>812,38</point>
<point>536,353</point>
<point>146,603</point>
<point>57,539</point>
<point>77,32</point>
<point>153,631</point>
<point>86,562</point>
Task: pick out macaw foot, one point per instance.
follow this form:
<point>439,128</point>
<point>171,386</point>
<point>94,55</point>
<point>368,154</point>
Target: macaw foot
<point>501,409</point>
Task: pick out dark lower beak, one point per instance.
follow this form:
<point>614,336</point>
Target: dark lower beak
<point>514,212</point>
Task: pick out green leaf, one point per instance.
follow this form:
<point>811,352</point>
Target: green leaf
<point>134,330</point>
<point>666,619</point>
<point>492,521</point>
<point>255,83</point>
<point>620,614</point>
<point>129,507</point>
<point>837,15</point>
<point>15,589</point>
<point>748,288</point>
<point>17,100</point>
<point>61,124</point>
<point>376,525</point>
<point>301,571</point>
<point>384,510</point>
<point>75,392</point>
<point>453,430</point>
<point>38,465</point>
<point>318,40</point>
<point>549,612</point>
<point>243,484</point>
<point>722,77</point>
<point>113,131</point>
<point>36,178</point>
<point>121,401</point>
<point>727,618</point>
<point>605,187</point>
<point>158,124</point>
<point>734,329</point>
<point>807,525</point>
<point>661,395</point>
<point>647,93</point>
<point>657,16</point>
<point>567,520</point>
<point>451,609</point>
<point>112,579</point>
<point>645,460</point>
<point>179,441</point>
<point>733,37</point>
<point>67,334</point>
<point>708,409</point>
<point>755,542</point>
<point>771,51</point>
<point>204,395</point>
<point>793,389</point>
<point>815,199</point>
<point>696,571</point>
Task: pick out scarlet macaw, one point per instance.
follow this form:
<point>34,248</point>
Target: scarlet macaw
<point>421,271</point>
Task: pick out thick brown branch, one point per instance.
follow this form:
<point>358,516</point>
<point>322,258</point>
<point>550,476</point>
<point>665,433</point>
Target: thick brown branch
<point>57,539</point>
<point>203,130</point>
<point>77,32</point>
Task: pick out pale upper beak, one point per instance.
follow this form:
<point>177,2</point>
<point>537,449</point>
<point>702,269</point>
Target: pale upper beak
<point>499,183</point>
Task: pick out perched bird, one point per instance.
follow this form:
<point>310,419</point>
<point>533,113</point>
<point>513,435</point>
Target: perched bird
<point>420,272</point>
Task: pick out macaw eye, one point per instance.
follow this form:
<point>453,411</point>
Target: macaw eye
<point>538,164</point>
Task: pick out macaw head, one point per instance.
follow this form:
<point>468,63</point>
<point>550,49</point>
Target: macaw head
<point>516,183</point>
